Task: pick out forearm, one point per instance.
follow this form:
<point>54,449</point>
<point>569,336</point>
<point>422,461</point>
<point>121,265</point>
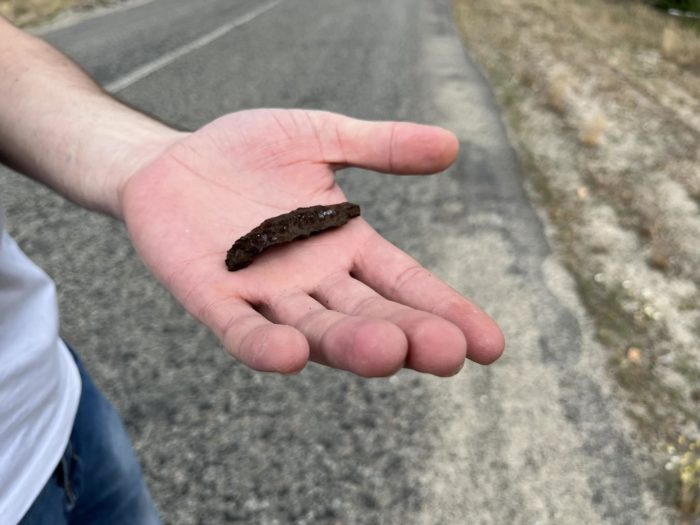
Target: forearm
<point>57,126</point>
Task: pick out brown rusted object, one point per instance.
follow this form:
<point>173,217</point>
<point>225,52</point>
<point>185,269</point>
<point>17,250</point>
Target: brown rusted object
<point>297,224</point>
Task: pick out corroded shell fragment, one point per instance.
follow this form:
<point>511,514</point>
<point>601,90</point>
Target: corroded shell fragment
<point>297,224</point>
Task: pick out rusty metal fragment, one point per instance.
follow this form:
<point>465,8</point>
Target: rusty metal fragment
<point>297,224</point>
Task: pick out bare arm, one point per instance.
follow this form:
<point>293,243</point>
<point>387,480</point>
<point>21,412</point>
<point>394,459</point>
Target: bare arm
<point>59,127</point>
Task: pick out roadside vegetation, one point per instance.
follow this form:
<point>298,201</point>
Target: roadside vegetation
<point>602,99</point>
<point>31,12</point>
<point>689,6</point>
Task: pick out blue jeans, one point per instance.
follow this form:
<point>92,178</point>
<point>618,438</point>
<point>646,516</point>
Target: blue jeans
<point>98,481</point>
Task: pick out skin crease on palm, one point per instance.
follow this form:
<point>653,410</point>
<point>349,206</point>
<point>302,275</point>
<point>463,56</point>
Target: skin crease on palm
<point>346,298</point>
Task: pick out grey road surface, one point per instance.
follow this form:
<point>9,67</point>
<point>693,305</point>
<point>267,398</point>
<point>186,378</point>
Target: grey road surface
<point>534,438</point>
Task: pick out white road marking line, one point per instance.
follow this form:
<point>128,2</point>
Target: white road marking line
<point>151,67</point>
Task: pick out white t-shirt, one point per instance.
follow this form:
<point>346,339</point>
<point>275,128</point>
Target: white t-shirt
<point>39,382</point>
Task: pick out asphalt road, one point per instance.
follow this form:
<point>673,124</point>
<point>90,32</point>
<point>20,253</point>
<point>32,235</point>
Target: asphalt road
<point>534,438</point>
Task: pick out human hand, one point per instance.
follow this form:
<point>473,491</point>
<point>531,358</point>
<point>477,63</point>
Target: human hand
<point>346,298</point>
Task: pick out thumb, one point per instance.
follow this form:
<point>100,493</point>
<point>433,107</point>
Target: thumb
<point>392,147</point>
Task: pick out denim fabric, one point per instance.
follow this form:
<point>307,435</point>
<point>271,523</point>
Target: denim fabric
<point>98,481</point>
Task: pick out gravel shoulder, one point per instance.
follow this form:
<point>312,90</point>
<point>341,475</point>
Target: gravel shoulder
<point>602,101</point>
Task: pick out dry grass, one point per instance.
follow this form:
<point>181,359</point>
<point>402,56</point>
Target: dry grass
<point>558,87</point>
<point>678,47</point>
<point>593,129</point>
<point>31,12</point>
<point>603,102</point>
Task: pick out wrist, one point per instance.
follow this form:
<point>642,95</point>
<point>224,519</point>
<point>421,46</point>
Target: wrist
<point>99,150</point>
<point>129,156</point>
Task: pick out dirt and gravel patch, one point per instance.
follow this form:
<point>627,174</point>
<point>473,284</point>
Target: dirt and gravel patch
<point>602,100</point>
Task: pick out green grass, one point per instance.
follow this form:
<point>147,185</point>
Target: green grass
<point>682,5</point>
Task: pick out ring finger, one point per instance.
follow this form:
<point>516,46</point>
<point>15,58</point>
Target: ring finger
<point>364,345</point>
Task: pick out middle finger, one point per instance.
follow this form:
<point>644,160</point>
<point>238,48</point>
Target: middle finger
<point>436,346</point>
<point>364,345</point>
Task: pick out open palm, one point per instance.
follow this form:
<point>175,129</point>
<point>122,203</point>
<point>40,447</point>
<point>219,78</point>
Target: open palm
<point>346,298</point>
